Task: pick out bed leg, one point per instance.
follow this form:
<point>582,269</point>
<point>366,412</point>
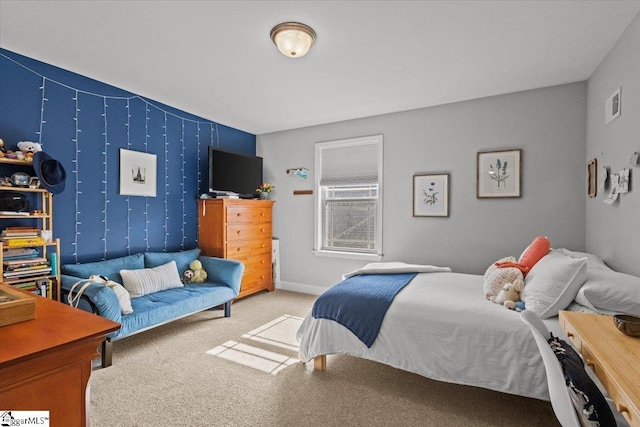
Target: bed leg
<point>320,363</point>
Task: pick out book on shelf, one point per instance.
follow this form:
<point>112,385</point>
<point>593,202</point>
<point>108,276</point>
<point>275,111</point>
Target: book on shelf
<point>10,234</point>
<point>15,213</point>
<point>25,261</point>
<point>23,241</point>
<point>27,273</point>
<point>16,253</point>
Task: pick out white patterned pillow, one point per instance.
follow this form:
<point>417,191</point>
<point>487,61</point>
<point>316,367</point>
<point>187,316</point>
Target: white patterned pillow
<point>495,278</point>
<point>149,280</point>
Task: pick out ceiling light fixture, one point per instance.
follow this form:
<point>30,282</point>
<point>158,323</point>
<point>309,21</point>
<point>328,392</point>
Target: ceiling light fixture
<point>293,39</point>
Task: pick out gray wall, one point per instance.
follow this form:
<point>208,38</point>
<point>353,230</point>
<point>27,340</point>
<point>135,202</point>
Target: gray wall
<point>612,231</point>
<point>548,124</point>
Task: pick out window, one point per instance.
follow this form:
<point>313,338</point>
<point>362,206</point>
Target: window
<point>349,197</point>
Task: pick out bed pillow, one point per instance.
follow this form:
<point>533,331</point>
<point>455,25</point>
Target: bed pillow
<point>498,278</point>
<point>593,261</point>
<point>553,283</point>
<point>531,255</point>
<point>149,280</point>
<point>608,292</point>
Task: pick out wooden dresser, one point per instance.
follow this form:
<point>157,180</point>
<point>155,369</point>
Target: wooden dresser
<point>45,363</point>
<point>612,355</point>
<point>240,230</point>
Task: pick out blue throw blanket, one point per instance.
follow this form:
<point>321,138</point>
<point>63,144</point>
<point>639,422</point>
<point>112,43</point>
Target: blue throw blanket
<point>360,303</point>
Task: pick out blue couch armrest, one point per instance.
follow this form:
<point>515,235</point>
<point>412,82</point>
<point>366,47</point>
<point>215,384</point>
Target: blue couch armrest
<point>225,271</point>
<point>101,298</point>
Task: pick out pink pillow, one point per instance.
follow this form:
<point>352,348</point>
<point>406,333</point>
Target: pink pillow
<point>534,253</point>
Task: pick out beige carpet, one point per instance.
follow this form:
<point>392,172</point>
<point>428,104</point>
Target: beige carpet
<point>206,370</point>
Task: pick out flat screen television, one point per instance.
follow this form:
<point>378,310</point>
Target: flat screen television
<point>234,172</point>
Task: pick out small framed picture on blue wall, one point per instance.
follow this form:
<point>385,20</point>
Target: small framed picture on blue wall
<point>137,173</point>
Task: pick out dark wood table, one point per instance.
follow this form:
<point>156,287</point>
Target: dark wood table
<point>45,363</point>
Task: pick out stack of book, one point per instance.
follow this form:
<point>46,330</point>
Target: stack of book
<point>25,267</point>
<point>39,287</point>
<point>21,236</point>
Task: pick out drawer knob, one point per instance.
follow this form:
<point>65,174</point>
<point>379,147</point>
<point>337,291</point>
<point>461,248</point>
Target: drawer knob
<point>238,249</point>
<point>589,363</point>
<point>238,232</point>
<point>621,408</point>
<point>238,214</point>
<point>570,335</point>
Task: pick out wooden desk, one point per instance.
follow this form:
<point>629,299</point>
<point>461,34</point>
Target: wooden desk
<point>613,356</point>
<point>45,363</point>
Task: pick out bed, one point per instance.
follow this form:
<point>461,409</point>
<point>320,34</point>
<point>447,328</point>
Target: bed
<point>441,326</point>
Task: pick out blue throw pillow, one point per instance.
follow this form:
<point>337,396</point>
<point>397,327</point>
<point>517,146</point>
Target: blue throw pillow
<point>182,259</point>
<point>110,268</point>
<point>588,400</point>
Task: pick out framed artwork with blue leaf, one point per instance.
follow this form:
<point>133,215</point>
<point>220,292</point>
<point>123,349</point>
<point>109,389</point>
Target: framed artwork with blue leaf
<point>431,195</point>
<point>499,173</point>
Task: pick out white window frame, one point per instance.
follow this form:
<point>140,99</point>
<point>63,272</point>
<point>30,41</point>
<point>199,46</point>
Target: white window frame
<point>318,206</point>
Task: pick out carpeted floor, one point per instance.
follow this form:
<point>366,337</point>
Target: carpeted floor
<point>206,370</point>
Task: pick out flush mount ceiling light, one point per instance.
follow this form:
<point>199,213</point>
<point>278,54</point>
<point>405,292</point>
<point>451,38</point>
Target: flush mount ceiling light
<point>293,39</point>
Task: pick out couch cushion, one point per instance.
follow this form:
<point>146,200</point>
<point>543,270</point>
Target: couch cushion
<point>160,307</point>
<point>149,280</point>
<point>182,259</point>
<point>110,268</point>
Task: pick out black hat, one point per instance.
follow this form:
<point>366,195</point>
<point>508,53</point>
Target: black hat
<point>50,172</point>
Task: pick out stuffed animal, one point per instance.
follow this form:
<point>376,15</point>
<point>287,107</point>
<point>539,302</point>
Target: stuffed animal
<point>28,149</point>
<point>187,276</point>
<point>199,274</point>
<point>540,247</point>
<point>509,295</point>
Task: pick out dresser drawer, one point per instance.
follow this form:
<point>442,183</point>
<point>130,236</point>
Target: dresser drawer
<point>244,248</point>
<point>260,262</point>
<point>252,231</point>
<point>244,214</point>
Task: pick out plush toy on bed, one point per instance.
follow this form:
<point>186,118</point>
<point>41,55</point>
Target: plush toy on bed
<point>534,252</point>
<point>509,295</point>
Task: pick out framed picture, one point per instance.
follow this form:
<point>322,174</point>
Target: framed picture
<point>431,194</point>
<point>499,173</point>
<point>137,173</point>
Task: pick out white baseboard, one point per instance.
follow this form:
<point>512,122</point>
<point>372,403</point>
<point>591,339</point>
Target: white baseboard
<point>300,287</point>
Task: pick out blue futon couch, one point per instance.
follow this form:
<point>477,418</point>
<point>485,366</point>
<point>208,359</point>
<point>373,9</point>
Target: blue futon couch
<point>156,308</point>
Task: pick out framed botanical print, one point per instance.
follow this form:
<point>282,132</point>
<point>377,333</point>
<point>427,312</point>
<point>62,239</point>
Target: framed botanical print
<point>499,173</point>
<point>431,195</point>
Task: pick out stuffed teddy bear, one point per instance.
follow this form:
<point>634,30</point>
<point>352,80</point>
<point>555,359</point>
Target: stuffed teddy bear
<point>28,149</point>
<point>509,295</point>
<point>195,273</point>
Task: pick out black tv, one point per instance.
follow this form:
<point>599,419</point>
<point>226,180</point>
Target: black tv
<point>234,172</point>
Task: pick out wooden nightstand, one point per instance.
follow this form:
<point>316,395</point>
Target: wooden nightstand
<point>613,356</point>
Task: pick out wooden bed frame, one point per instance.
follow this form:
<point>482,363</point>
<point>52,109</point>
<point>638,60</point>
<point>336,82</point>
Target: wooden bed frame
<point>320,363</point>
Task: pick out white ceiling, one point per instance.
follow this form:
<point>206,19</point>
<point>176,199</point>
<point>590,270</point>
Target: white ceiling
<point>215,58</point>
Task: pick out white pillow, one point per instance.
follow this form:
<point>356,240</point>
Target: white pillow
<point>149,280</point>
<point>553,283</point>
<point>609,292</point>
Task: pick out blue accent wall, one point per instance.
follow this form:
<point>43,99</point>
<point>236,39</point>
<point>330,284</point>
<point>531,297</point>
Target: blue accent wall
<point>84,123</point>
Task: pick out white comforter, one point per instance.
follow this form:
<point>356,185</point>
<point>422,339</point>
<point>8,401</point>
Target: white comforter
<point>440,326</point>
